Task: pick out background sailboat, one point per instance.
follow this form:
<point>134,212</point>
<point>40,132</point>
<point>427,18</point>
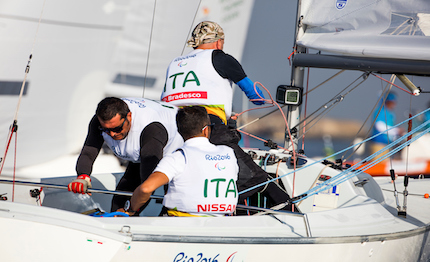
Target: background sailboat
<point>157,31</point>
<point>70,67</point>
<point>82,53</point>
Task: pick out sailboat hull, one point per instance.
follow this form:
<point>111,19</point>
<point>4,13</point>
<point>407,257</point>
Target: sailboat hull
<point>354,224</point>
<point>31,230</point>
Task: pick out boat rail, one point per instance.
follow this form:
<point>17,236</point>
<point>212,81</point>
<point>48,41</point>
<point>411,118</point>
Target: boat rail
<point>264,211</point>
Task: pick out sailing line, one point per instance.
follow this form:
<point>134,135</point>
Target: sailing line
<point>348,148</point>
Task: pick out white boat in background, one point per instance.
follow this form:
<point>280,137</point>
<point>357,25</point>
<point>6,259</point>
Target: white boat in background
<point>82,53</point>
<point>341,214</point>
<point>63,86</point>
<point>155,32</point>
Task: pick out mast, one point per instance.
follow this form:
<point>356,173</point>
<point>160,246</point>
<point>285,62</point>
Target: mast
<point>297,76</point>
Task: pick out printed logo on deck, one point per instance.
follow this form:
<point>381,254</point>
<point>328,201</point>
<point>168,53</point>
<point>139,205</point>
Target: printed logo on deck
<point>340,4</point>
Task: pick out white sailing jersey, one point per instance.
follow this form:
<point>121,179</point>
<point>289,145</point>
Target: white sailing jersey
<point>202,178</point>
<point>193,80</point>
<point>143,112</point>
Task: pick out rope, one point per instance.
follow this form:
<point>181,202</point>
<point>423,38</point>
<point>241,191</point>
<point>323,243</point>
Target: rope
<point>14,168</point>
<point>391,83</point>
<point>382,106</point>
<point>327,108</point>
<point>257,119</point>
<point>365,121</point>
<point>348,174</point>
<point>256,137</point>
<point>409,137</point>
<point>336,99</point>
<point>271,101</point>
<point>149,48</point>
<point>341,151</point>
<point>14,126</point>
<point>191,27</point>
<point>327,80</point>
<point>12,129</point>
<point>306,108</point>
<point>268,101</point>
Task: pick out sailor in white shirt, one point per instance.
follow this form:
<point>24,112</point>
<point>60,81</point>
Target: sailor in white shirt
<point>201,176</point>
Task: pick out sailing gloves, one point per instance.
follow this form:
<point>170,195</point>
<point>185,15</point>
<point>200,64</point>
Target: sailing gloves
<point>80,184</point>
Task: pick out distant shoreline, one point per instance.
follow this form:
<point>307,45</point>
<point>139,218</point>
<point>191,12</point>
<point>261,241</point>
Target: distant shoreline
<point>274,127</point>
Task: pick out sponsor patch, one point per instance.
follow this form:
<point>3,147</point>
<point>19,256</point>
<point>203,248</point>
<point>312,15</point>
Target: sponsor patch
<point>185,95</point>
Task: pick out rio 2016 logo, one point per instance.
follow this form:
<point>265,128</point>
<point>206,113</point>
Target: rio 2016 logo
<point>182,257</point>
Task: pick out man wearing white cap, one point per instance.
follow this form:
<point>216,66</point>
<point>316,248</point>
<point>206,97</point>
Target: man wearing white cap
<point>204,77</point>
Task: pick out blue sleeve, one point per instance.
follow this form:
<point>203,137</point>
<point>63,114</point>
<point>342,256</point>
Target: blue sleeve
<point>247,86</point>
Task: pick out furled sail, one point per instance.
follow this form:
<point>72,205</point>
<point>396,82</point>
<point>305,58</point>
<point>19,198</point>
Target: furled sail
<point>86,50</point>
<point>380,29</point>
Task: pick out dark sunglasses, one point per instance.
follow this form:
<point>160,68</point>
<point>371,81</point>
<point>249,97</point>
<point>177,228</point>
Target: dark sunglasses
<point>117,129</point>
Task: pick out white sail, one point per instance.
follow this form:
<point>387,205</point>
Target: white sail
<point>80,48</point>
<point>378,28</point>
<point>69,70</point>
<point>157,31</point>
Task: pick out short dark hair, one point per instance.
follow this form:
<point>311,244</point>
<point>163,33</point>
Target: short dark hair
<point>110,106</point>
<point>191,120</point>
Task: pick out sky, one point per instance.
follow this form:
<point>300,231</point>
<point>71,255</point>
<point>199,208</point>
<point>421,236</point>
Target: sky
<point>265,59</point>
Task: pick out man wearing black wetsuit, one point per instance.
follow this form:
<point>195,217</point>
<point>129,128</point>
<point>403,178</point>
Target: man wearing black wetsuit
<point>137,130</point>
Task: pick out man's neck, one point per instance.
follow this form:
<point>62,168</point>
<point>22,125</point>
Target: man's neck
<point>207,46</point>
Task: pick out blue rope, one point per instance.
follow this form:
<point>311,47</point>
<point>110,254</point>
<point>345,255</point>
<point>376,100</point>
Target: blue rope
<point>346,149</point>
<point>352,171</point>
<point>100,214</point>
<point>265,161</point>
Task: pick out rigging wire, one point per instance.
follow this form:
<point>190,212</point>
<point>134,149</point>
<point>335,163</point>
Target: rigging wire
<point>336,99</point>
<point>150,41</point>
<point>14,126</point>
<point>328,107</point>
<point>327,80</point>
<point>356,168</point>
<point>393,77</point>
<point>271,101</point>
<point>191,27</point>
<point>258,138</point>
<point>365,121</point>
<point>149,48</point>
<point>275,110</point>
<point>306,109</point>
<point>409,137</point>
<point>259,118</point>
<point>397,149</point>
<point>14,168</point>
<point>392,83</point>
<point>348,148</point>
